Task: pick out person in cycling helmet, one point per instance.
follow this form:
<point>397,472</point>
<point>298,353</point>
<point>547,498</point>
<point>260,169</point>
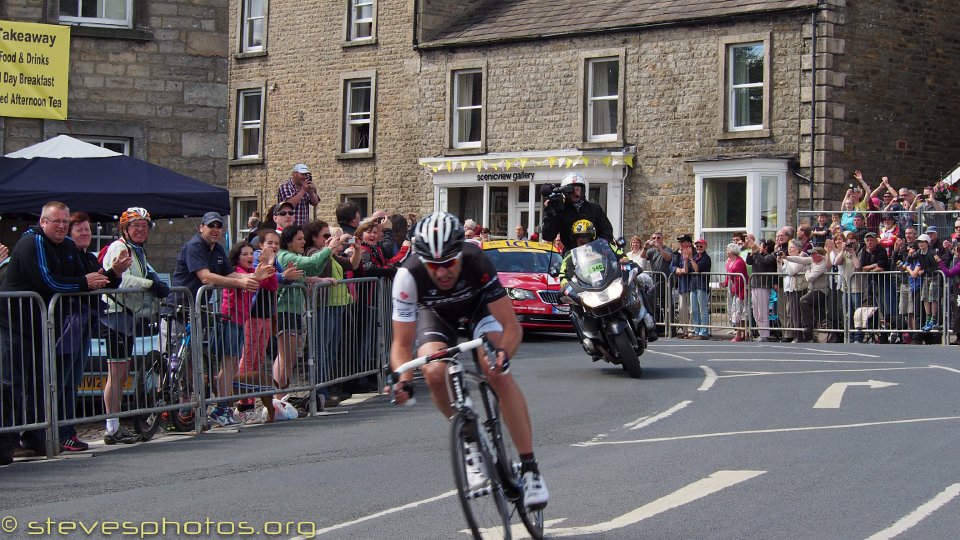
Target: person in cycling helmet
<point>582,233</point>
<point>128,313</point>
<point>575,207</point>
<point>446,281</point>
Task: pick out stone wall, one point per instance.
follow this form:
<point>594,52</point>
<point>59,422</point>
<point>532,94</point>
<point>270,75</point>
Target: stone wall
<point>889,72</point>
<point>167,94</point>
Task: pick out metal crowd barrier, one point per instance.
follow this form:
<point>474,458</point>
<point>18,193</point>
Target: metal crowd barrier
<point>705,307</point>
<point>662,300</point>
<point>778,314</point>
<point>106,360</point>
<point>24,405</point>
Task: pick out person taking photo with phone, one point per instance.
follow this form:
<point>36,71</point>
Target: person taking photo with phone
<point>300,192</point>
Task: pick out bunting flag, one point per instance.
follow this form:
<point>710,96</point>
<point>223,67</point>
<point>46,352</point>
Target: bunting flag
<point>498,164</point>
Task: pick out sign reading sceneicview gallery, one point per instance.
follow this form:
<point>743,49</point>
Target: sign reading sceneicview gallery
<point>34,68</point>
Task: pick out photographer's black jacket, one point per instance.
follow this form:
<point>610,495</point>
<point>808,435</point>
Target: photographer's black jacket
<point>562,222</point>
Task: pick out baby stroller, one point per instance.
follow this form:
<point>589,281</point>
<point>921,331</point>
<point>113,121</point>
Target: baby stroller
<point>867,317</point>
<point>776,331</point>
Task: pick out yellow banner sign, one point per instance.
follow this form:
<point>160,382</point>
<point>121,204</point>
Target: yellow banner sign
<point>34,70</point>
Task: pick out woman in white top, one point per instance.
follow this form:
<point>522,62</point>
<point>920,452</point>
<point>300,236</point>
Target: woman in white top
<point>794,286</point>
<point>637,253</point>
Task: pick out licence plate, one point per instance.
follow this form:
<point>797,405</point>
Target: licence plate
<point>93,383</point>
<point>563,309</point>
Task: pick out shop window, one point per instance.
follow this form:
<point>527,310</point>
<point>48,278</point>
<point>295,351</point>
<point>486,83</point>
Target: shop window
<point>108,13</point>
<point>466,203</point>
<point>243,209</point>
<point>253,33</point>
<point>359,98</point>
<point>740,195</point>
<point>467,113</point>
<point>249,122</point>
<point>361,20</point>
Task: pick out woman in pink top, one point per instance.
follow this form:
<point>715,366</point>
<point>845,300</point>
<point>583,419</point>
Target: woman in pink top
<point>736,280</point>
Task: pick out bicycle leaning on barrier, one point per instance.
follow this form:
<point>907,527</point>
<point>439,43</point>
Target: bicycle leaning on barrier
<point>485,486</point>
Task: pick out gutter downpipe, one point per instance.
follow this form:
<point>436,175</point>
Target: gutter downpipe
<point>813,99</point>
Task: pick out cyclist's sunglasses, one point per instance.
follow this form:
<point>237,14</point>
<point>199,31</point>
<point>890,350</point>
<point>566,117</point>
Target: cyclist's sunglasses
<point>434,266</point>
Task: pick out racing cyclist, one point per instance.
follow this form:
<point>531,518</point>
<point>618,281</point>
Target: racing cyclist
<point>448,281</point>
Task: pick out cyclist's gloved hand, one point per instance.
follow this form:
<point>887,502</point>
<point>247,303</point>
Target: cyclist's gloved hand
<point>403,392</point>
<point>159,288</point>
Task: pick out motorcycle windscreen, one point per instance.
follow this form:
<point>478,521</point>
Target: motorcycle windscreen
<point>595,263</point>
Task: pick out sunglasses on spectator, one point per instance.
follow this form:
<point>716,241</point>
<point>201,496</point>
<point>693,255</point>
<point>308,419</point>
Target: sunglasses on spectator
<point>434,266</point>
<point>325,235</point>
<point>215,225</point>
<point>284,213</point>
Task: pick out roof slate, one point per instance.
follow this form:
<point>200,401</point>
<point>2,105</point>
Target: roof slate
<point>507,20</point>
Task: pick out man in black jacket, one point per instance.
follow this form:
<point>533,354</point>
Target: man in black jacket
<point>44,261</point>
<point>575,207</point>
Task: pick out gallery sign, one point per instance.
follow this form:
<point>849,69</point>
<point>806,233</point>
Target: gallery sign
<point>34,70</point>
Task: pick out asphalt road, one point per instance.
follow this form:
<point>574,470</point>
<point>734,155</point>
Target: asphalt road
<point>717,440</point>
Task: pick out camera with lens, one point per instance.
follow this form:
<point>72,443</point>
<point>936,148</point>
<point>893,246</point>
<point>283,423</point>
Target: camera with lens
<point>851,245</point>
<point>553,196</point>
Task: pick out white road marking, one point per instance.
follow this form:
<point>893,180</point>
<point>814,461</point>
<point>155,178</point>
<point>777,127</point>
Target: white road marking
<point>924,510</point>
<point>715,482</point>
<point>517,530</point>
<point>821,351</point>
<point>946,368</point>
<point>804,360</point>
<point>819,371</point>
<point>661,416</point>
<point>709,380</point>
<point>833,395</point>
<point>635,422</point>
<point>685,359</point>
<point>386,512</point>
<point>774,430</point>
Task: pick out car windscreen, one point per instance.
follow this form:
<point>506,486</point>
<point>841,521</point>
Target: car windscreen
<point>523,260</point>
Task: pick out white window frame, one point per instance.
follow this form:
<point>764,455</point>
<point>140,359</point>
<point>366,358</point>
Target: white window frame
<point>732,88</point>
<point>246,21</point>
<point>353,21</point>
<point>592,100</point>
<point>351,118</point>
<point>754,171</point>
<point>243,126</point>
<point>97,21</point>
<point>240,221</point>
<point>104,142</point>
<point>457,110</point>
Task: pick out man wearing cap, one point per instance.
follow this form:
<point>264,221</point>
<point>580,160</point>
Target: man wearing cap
<point>299,191</point>
<point>700,265</point>
<point>930,288</point>
<point>203,261</point>
<point>936,243</point>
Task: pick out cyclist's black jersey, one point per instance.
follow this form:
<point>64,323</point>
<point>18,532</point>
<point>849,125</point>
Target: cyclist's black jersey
<point>478,285</point>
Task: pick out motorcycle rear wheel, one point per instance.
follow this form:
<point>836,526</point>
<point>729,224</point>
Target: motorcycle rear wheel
<point>628,356</point>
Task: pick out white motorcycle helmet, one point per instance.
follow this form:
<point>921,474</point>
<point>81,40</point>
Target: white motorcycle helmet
<point>571,180</point>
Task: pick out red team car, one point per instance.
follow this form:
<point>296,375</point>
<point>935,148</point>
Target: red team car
<point>524,269</point>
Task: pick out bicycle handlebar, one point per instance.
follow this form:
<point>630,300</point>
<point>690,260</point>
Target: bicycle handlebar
<point>443,353</point>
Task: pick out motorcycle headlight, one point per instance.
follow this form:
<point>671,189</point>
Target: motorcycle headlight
<point>520,294</point>
<point>598,298</point>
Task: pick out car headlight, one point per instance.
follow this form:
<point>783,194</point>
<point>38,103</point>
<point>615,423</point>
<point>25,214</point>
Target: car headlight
<point>598,298</point>
<point>520,294</point>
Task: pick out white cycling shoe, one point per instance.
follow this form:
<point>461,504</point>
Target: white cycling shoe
<point>535,493</point>
<point>473,461</point>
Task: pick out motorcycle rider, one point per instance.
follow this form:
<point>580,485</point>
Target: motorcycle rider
<point>559,215</point>
<point>583,232</point>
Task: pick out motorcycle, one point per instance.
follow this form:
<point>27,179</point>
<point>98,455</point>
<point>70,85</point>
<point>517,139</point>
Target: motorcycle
<point>609,306</point>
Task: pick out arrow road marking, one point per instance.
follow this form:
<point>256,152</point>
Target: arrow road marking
<point>715,482</point>
<point>833,395</point>
<point>919,514</point>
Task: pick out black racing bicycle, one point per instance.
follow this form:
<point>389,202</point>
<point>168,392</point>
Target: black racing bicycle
<point>487,504</point>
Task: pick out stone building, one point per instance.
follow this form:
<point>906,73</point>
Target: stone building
<point>685,116</point>
<point>148,79</point>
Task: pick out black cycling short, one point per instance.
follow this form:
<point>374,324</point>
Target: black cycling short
<point>431,328</point>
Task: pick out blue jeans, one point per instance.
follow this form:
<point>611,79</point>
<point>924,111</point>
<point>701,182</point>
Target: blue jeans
<point>71,369</point>
<point>329,329</point>
<point>700,311</point>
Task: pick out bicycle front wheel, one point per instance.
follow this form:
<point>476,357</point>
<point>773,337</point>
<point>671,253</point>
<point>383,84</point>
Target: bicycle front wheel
<point>478,487</point>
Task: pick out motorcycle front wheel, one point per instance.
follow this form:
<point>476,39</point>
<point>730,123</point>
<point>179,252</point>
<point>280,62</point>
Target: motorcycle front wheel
<point>628,356</point>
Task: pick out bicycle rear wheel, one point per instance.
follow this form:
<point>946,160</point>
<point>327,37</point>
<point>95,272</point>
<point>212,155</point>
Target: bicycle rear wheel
<point>508,466</point>
<point>149,369</point>
<point>484,505</point>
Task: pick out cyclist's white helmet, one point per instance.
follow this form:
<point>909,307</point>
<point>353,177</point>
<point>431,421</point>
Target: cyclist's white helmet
<point>438,237</point>
<point>571,180</point>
